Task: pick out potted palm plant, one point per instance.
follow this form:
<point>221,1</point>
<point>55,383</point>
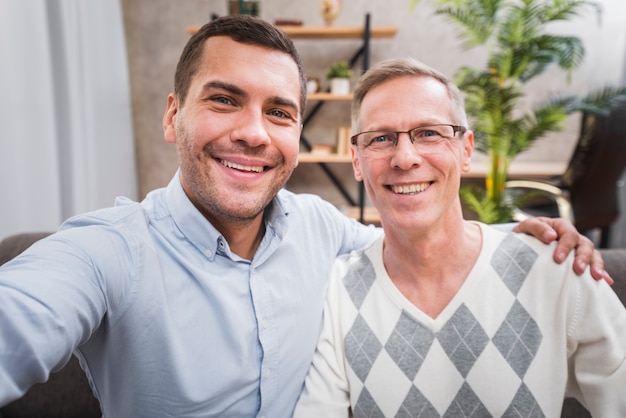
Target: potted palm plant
<point>339,75</point>
<point>520,48</point>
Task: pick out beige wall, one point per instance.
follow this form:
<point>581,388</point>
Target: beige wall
<point>156,34</point>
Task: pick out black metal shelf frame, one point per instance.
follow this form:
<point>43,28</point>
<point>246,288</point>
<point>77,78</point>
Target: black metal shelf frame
<point>364,53</point>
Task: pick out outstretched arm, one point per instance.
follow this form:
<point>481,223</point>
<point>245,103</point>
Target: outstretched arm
<point>549,229</point>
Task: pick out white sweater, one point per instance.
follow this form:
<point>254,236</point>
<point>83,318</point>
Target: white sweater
<point>520,334</point>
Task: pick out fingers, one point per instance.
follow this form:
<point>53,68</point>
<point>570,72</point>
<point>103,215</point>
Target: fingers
<point>549,229</point>
<point>539,228</point>
<point>597,268</point>
<point>585,256</point>
<point>568,240</point>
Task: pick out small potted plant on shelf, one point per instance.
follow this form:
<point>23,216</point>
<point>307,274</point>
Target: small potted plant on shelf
<point>339,75</point>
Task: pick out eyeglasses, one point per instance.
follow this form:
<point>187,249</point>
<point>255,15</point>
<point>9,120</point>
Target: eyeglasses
<point>427,137</point>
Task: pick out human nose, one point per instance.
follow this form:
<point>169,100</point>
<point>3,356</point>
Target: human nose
<point>405,153</point>
<point>251,129</point>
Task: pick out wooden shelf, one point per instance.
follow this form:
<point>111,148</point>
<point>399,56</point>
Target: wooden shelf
<point>479,170</point>
<point>328,97</point>
<point>521,169</point>
<point>327,32</point>
<point>338,32</point>
<point>370,214</point>
<point>308,157</point>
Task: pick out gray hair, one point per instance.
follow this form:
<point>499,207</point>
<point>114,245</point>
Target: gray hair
<point>401,67</point>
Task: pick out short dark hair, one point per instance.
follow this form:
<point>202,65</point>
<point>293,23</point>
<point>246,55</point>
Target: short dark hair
<point>245,29</point>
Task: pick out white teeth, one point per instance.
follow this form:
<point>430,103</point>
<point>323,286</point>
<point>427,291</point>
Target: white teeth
<point>257,169</point>
<point>409,189</point>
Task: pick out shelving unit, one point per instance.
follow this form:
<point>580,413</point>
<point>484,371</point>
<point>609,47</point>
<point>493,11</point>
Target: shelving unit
<point>364,33</point>
<point>340,32</point>
<point>328,32</point>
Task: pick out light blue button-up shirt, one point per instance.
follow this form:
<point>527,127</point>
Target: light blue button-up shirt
<point>165,318</point>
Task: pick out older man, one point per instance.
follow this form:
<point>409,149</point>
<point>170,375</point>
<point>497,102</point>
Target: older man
<point>443,316</point>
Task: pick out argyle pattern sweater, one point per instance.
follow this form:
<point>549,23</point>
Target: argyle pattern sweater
<point>520,334</point>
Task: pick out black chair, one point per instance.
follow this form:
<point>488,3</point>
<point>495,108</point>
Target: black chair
<point>587,193</point>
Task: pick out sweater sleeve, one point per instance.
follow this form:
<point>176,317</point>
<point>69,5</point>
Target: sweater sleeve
<point>326,389</point>
<point>597,343</point>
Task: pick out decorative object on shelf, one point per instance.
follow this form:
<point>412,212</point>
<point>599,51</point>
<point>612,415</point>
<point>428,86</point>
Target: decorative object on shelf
<point>312,85</point>
<point>322,149</point>
<point>244,7</point>
<point>343,140</point>
<point>330,10</point>
<point>288,22</point>
<point>339,75</point>
<point>520,48</point>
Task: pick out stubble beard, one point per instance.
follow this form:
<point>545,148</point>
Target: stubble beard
<point>240,204</point>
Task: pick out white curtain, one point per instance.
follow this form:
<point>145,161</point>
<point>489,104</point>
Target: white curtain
<point>66,138</point>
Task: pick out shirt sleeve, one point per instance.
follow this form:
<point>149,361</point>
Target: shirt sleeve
<point>356,235</point>
<point>52,298</point>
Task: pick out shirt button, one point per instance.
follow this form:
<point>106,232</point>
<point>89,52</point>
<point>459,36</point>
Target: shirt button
<point>264,323</point>
<point>268,373</point>
<point>208,253</point>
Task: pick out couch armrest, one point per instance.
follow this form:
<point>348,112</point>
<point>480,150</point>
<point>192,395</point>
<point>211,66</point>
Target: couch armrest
<point>13,245</point>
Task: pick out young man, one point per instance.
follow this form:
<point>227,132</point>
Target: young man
<point>442,316</point>
<point>206,298</point>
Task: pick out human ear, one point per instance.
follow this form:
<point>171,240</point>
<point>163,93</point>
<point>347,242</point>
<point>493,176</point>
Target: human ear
<point>468,149</point>
<point>169,118</point>
<point>355,165</point>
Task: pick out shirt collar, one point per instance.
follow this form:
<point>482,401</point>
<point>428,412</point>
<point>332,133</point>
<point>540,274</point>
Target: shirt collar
<point>200,232</point>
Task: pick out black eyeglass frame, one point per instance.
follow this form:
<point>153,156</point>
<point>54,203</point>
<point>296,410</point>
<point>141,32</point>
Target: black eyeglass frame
<point>455,129</point>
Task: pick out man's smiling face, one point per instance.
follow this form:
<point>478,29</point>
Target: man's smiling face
<point>414,186</point>
<point>238,132</point>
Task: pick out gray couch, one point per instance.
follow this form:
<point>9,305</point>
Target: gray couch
<point>67,393</point>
